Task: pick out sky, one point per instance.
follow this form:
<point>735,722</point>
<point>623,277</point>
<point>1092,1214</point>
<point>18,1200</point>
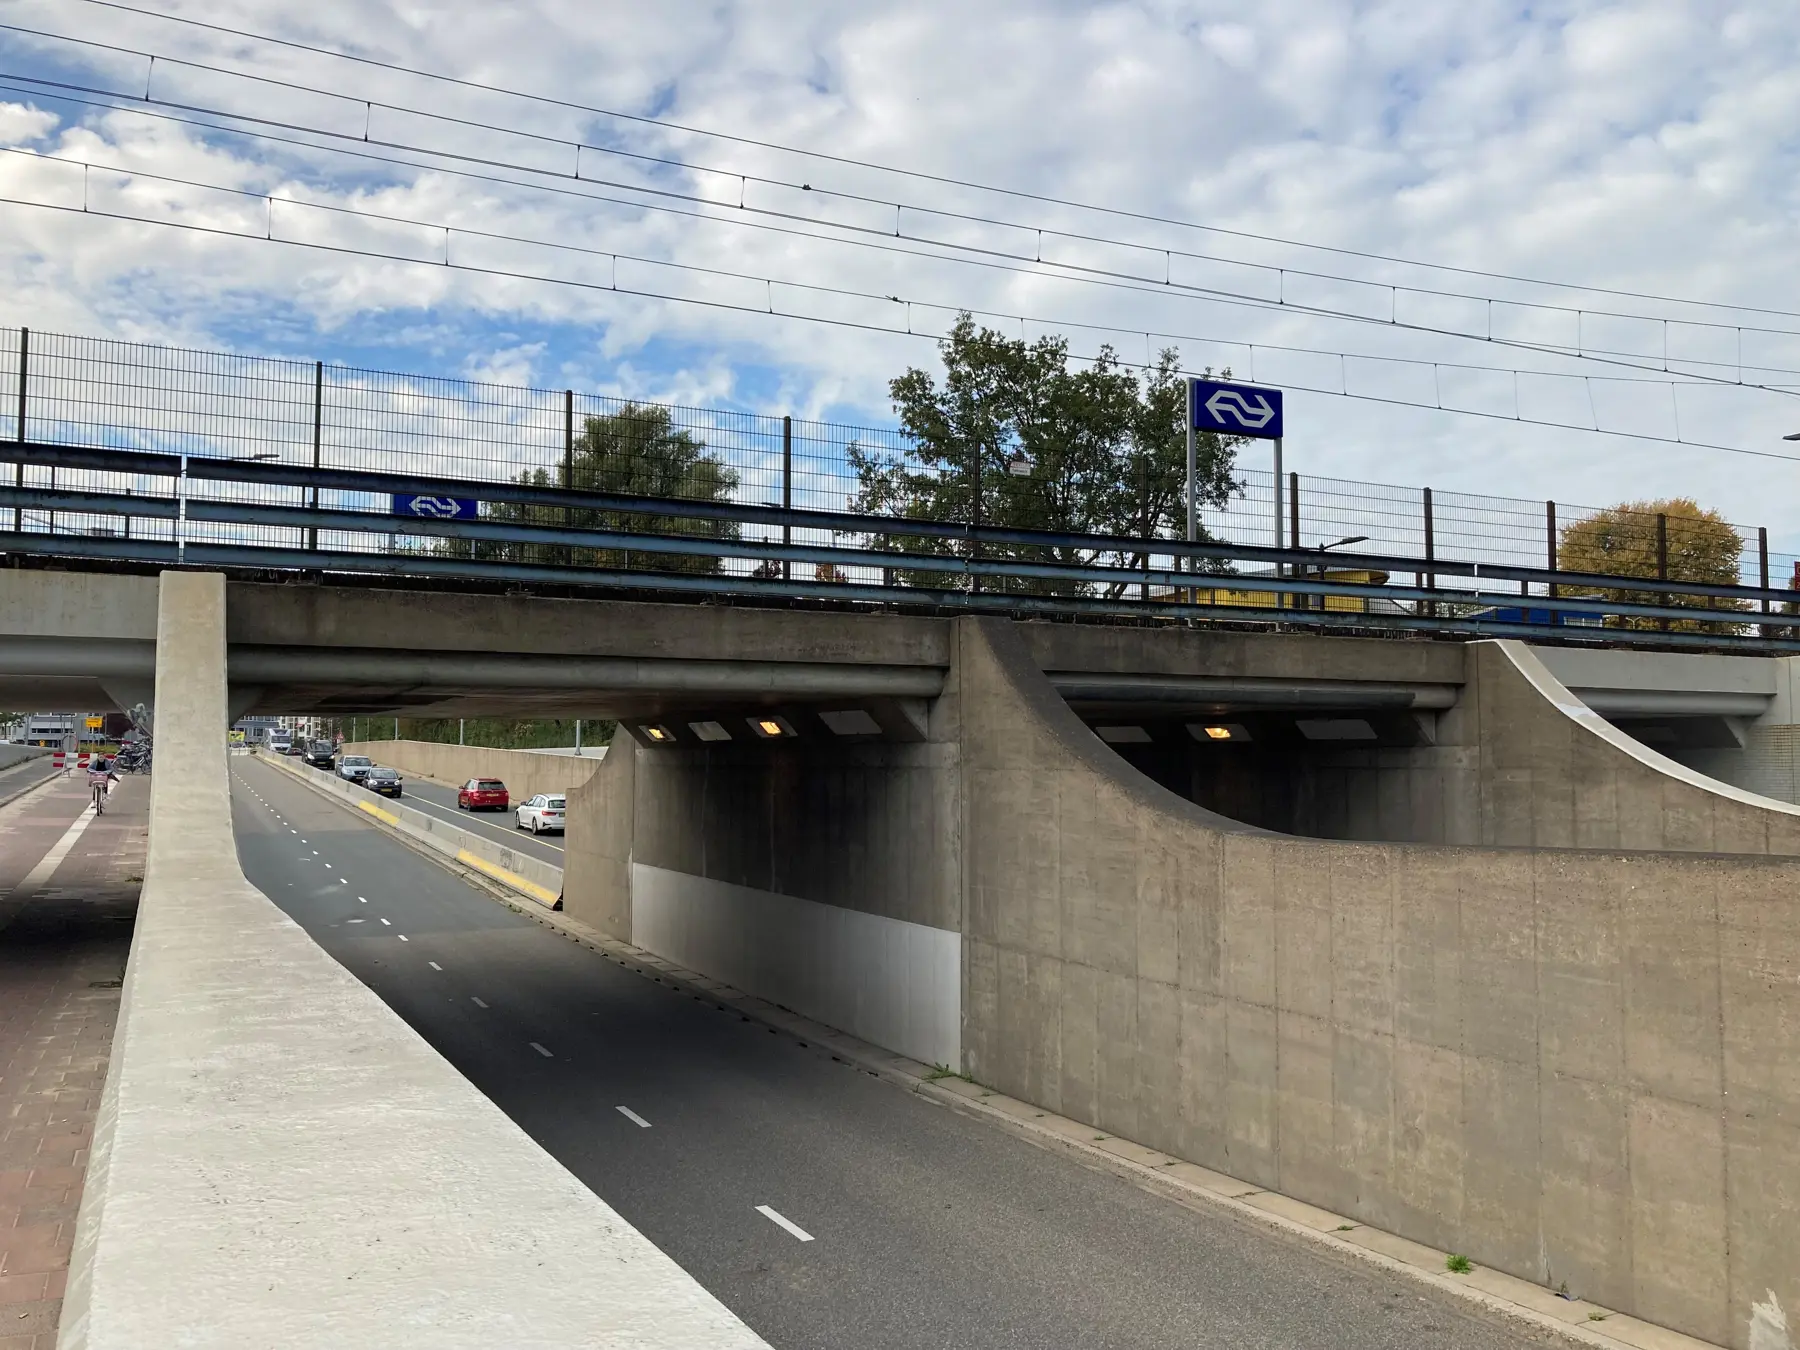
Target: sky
<point>1411,203</point>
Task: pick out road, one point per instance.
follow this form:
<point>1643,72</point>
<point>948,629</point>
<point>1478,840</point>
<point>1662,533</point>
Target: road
<point>437,800</point>
<point>826,1207</point>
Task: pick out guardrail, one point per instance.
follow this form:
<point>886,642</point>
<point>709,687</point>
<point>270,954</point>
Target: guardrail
<point>174,510</point>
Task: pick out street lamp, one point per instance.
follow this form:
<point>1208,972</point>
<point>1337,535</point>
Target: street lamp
<point>1348,539</point>
<point>1795,436</point>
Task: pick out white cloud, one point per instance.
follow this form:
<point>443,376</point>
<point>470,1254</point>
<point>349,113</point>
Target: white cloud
<point>1644,147</point>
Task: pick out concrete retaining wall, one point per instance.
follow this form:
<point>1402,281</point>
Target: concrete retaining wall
<point>821,877</point>
<point>1555,774</point>
<point>12,755</point>
<point>279,1159</point>
<point>1575,1066</point>
<point>892,983</point>
<point>525,772</point>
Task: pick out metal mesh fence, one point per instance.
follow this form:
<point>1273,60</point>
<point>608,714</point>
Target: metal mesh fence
<point>125,395</point>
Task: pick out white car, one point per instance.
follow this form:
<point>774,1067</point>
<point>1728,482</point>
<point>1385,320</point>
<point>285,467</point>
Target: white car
<point>542,812</point>
<point>355,767</point>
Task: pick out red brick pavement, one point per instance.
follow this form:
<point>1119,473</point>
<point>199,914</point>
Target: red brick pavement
<point>62,955</point>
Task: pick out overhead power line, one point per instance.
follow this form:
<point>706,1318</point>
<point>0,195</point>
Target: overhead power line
<point>449,230</point>
<point>962,254</point>
<point>921,175</point>
<point>830,320</point>
<point>1040,231</point>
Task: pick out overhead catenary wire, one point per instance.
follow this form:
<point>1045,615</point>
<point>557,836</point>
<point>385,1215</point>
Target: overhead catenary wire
<point>923,176</point>
<point>989,259</point>
<point>616,255</point>
<point>741,177</point>
<point>835,321</point>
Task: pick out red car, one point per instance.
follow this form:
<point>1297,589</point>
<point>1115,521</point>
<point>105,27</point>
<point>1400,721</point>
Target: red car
<point>482,794</point>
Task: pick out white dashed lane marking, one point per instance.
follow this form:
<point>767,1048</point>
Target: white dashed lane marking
<point>633,1117</point>
<point>540,1049</point>
<point>477,1002</point>
<point>388,922</point>
<point>786,1223</point>
<point>434,965</point>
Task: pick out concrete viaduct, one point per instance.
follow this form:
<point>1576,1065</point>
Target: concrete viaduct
<point>1486,944</point>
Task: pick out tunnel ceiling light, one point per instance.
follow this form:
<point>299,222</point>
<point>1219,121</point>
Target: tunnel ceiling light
<point>1335,729</point>
<point>1123,735</point>
<point>660,735</point>
<point>1217,731</point>
<point>851,722</point>
<point>771,728</point>
<point>709,731</point>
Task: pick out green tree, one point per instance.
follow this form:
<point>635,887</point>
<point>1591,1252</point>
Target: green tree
<point>1107,451</point>
<point>1621,541</point>
<point>639,451</point>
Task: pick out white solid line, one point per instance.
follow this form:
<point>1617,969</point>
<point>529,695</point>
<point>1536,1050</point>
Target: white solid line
<point>47,865</point>
<point>788,1224</point>
<point>388,922</point>
<point>477,1002</point>
<point>540,1049</point>
<point>633,1117</point>
<point>434,965</point>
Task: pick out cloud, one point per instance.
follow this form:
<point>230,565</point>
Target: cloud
<point>1645,148</point>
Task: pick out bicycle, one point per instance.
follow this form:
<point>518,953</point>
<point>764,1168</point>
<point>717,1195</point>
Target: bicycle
<point>99,799</point>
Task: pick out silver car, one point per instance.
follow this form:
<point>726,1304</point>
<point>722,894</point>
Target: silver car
<point>355,767</point>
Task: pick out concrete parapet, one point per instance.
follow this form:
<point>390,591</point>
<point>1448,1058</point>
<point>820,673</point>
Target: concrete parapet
<point>1573,1065</point>
<point>1555,774</point>
<point>525,773</point>
<point>280,1160</point>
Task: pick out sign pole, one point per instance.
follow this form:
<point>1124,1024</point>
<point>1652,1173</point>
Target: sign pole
<point>1193,474</point>
<point>1279,569</point>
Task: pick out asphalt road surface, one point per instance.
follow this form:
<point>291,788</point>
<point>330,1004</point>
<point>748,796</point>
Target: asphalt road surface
<point>827,1208</point>
<point>437,800</point>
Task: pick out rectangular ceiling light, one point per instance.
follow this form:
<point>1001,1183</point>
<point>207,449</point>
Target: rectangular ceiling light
<point>709,731</point>
<point>660,735</point>
<point>1123,735</point>
<point>1335,729</point>
<point>771,728</point>
<point>1217,731</point>
<point>853,722</point>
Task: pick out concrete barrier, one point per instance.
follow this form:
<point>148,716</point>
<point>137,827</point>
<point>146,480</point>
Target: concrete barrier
<point>525,772</point>
<point>530,876</point>
<point>280,1160</point>
<point>1573,1065</point>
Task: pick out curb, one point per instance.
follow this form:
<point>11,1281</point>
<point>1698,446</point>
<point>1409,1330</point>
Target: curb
<point>1507,1297</point>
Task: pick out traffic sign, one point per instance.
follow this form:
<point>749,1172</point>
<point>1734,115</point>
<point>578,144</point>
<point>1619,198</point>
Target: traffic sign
<point>95,723</point>
<point>1237,409</point>
<point>437,508</point>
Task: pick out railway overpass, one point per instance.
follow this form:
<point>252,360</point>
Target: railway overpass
<point>1418,937</point>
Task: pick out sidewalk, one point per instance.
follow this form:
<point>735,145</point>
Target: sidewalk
<point>64,938</point>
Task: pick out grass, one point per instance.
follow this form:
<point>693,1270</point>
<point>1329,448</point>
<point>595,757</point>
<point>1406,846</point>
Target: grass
<point>1596,1317</point>
<point>945,1071</point>
<point>1458,1264</point>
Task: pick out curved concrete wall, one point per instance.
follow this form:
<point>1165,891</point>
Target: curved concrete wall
<point>279,1159</point>
<point>525,772</point>
<point>1555,774</point>
<point>1575,1066</point>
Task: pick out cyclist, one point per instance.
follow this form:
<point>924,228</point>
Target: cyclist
<point>100,780</point>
